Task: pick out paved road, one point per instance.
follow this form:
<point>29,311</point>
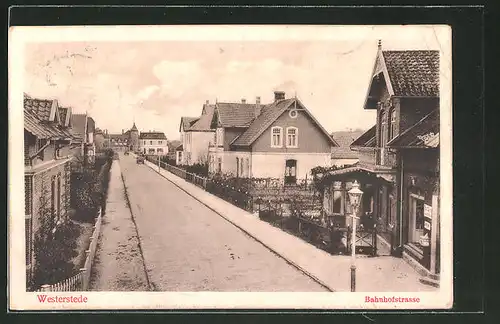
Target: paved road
<point>188,247</point>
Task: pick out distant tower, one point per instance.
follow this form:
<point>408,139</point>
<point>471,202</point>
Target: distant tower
<point>134,138</point>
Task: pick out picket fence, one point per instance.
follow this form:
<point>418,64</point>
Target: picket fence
<point>81,280</point>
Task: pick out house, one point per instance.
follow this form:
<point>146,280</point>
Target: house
<point>196,135</point>
<point>178,154</point>
<point>153,143</point>
<point>398,167</point>
<point>126,141</point>
<point>83,128</point>
<point>281,140</point>
<point>343,155</point>
<point>47,156</point>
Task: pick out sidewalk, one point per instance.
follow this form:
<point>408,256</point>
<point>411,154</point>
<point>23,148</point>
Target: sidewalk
<point>118,265</point>
<point>376,274</point>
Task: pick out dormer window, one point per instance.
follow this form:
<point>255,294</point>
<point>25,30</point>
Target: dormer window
<point>292,134</point>
<point>276,137</point>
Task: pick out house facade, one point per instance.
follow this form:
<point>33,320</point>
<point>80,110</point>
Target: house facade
<point>47,157</point>
<point>126,141</point>
<point>196,136</point>
<point>153,143</point>
<point>83,129</point>
<point>398,167</point>
<point>278,140</point>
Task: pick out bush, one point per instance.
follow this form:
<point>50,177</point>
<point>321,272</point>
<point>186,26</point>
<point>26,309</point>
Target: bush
<point>53,252</point>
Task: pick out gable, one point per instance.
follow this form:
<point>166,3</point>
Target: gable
<point>311,138</point>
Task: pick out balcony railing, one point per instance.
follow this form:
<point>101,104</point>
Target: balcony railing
<point>377,158</point>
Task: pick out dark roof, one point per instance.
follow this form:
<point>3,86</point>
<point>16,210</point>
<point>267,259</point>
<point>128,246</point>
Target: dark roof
<point>90,125</point>
<point>117,136</point>
<point>152,135</point>
<point>424,134</point>
<point>268,115</point>
<point>78,125</point>
<point>235,114</point>
<point>134,128</point>
<point>187,122</point>
<point>203,123</point>
<point>367,139</point>
<point>41,129</point>
<point>42,108</point>
<point>179,148</point>
<point>344,152</point>
<point>413,73</point>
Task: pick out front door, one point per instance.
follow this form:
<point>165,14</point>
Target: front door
<point>416,218</point>
<point>290,172</point>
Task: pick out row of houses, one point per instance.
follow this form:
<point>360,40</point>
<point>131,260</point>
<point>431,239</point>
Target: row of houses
<point>149,143</point>
<point>396,161</point>
<point>53,138</point>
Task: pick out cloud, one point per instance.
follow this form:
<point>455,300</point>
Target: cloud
<point>146,92</point>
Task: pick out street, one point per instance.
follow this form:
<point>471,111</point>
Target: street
<point>188,247</point>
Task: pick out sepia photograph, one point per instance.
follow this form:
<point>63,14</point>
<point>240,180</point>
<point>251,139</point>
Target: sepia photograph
<point>175,167</point>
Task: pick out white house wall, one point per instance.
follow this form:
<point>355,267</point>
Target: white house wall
<point>269,165</point>
<point>199,146</point>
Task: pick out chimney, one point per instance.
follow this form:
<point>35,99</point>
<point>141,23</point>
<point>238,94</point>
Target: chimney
<point>279,95</point>
<point>243,100</point>
<point>122,131</point>
<point>257,107</point>
<point>207,102</point>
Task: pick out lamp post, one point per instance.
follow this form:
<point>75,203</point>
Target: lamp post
<point>355,198</point>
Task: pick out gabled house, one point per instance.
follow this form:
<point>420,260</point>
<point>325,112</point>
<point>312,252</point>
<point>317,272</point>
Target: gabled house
<point>153,143</point>
<point>398,157</point>
<point>47,157</point>
<point>83,128</point>
<point>196,136</point>
<point>281,140</point>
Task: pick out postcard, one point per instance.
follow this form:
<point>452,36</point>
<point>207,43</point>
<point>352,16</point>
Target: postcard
<point>230,167</point>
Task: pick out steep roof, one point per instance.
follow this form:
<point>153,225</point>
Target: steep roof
<point>235,114</point>
<point>152,135</point>
<point>424,134</point>
<point>367,139</point>
<point>179,148</point>
<point>41,129</point>
<point>268,115</point>
<point>78,125</point>
<point>187,122</point>
<point>413,73</point>
<point>343,151</point>
<point>203,123</point>
<point>134,128</point>
<point>44,109</point>
<point>90,125</point>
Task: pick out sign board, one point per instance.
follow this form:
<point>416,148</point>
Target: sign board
<point>427,211</point>
<point>427,225</point>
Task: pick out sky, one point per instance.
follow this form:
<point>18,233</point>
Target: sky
<point>156,81</point>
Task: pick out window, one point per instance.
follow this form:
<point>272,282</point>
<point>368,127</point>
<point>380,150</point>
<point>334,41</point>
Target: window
<point>392,128</point>
<point>144,142</point>
<point>291,137</point>
<point>220,136</point>
<point>28,240</point>
<point>159,142</point>
<point>27,195</point>
<point>160,150</point>
<point>238,167</point>
<point>276,137</point>
<point>248,167</point>
<point>52,201</point>
<point>219,168</point>
<point>150,142</point>
<point>242,171</point>
<point>383,129</point>
<point>59,190</point>
<point>151,151</point>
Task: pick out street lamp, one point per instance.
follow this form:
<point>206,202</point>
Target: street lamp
<point>354,198</point>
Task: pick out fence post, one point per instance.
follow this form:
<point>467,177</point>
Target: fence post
<point>84,283</point>
<point>45,287</point>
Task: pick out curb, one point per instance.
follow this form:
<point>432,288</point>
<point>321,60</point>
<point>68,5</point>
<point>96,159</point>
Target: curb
<point>288,260</point>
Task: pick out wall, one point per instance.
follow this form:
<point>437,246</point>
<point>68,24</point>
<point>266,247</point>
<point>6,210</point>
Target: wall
<point>266,165</point>
<point>230,134</point>
<point>414,109</point>
<point>310,137</point>
<point>42,186</point>
<point>155,145</point>
<point>199,146</point>
<point>229,162</point>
